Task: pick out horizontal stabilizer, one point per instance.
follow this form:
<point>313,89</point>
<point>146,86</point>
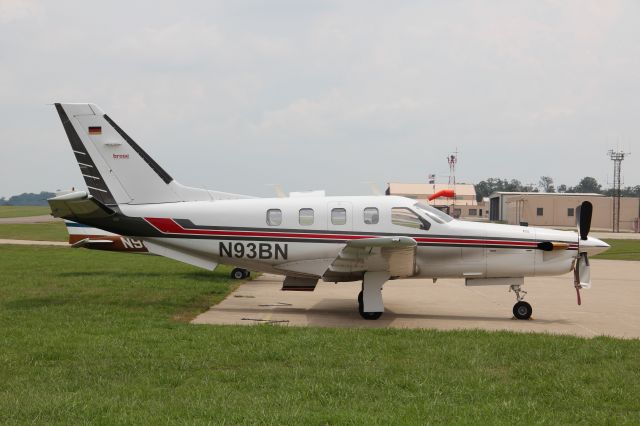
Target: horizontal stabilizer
<point>88,241</point>
<point>78,206</point>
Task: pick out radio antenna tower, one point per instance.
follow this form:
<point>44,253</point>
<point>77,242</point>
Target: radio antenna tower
<point>452,160</point>
<point>617,157</point>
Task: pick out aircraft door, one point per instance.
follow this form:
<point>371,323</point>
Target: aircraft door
<point>339,216</point>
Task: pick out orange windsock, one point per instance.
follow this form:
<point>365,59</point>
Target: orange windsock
<point>447,193</point>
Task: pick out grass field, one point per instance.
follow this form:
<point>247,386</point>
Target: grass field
<point>95,337</point>
<point>621,250</point>
<point>50,231</point>
<point>23,211</point>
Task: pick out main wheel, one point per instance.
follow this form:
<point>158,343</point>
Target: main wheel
<point>366,315</point>
<point>238,274</point>
<point>247,273</point>
<point>371,315</point>
<point>522,310</point>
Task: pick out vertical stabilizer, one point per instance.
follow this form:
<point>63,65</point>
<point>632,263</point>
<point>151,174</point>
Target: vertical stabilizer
<point>115,168</point>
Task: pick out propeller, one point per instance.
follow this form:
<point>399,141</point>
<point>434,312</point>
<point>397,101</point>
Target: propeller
<point>581,268</point>
<point>583,219</point>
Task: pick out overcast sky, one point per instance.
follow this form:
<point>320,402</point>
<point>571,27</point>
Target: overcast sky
<point>329,95</point>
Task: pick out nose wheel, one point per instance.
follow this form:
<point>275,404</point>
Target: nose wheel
<point>521,310</point>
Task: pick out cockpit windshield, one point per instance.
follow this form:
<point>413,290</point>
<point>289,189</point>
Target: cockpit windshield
<point>432,213</point>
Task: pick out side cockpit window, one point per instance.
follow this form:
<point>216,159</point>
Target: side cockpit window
<point>371,216</point>
<point>274,217</point>
<point>403,216</point>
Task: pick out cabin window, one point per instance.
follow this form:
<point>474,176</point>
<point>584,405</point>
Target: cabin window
<point>403,216</point>
<point>338,216</point>
<point>274,217</point>
<point>473,212</point>
<point>540,211</point>
<point>480,212</point>
<point>305,217</point>
<point>571,212</point>
<point>371,216</point>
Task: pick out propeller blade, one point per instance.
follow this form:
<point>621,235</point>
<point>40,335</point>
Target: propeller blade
<point>581,274</point>
<point>583,219</point>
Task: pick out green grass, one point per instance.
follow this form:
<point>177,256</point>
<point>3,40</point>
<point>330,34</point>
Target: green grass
<point>621,250</point>
<point>50,231</point>
<point>23,211</point>
<point>98,337</point>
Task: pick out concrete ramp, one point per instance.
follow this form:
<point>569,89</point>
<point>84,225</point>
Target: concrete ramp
<point>611,307</point>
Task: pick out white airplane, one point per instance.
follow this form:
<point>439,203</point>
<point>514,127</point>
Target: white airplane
<point>372,239</point>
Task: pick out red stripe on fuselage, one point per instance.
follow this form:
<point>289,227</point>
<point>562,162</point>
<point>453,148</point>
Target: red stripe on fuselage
<point>170,226</point>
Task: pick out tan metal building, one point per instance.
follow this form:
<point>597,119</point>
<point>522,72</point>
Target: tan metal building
<point>549,209</point>
<point>463,206</point>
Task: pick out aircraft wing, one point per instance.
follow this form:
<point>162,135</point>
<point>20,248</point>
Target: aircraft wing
<point>396,255</point>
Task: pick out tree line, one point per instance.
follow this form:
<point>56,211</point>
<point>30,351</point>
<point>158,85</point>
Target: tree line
<point>27,199</point>
<point>587,184</point>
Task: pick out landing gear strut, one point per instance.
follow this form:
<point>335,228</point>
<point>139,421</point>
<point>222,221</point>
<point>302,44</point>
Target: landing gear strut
<point>521,310</point>
<point>366,315</point>
<point>370,304</point>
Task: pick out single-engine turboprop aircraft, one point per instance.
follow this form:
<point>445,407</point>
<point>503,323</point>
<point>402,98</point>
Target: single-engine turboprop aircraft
<point>306,239</point>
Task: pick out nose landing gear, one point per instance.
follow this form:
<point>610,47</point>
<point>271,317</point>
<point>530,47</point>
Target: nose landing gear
<point>521,310</point>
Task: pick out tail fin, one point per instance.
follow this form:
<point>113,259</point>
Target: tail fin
<point>115,168</point>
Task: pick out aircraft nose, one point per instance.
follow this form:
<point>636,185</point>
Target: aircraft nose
<point>593,246</point>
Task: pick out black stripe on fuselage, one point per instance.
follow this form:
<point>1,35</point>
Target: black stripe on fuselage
<point>92,177</point>
<point>141,152</point>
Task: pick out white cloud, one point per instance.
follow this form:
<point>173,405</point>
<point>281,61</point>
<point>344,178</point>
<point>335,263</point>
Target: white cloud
<point>16,10</point>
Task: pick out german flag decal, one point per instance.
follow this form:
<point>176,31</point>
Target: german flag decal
<point>95,130</point>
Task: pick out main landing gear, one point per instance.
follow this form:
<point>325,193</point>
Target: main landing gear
<point>521,310</point>
<point>240,274</point>
<point>370,304</point>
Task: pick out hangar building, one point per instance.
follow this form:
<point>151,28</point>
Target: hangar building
<point>553,209</point>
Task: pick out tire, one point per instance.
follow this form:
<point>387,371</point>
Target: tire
<point>371,315</point>
<point>237,274</point>
<point>247,273</point>
<point>522,310</point>
<point>366,315</point>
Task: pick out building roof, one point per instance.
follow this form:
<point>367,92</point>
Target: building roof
<point>426,189</point>
<point>549,194</point>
